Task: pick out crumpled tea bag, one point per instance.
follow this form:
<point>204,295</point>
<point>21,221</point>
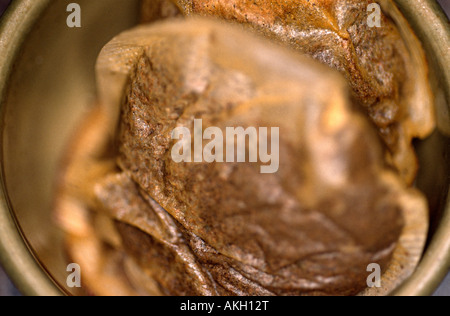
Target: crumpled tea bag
<point>204,228</point>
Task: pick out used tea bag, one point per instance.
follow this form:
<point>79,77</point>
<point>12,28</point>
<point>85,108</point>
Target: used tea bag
<point>205,228</point>
<point>385,66</point>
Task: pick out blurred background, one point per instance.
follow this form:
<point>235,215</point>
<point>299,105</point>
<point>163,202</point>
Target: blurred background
<point>8,289</point>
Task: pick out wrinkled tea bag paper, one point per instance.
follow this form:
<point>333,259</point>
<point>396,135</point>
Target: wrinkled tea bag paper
<point>277,79</point>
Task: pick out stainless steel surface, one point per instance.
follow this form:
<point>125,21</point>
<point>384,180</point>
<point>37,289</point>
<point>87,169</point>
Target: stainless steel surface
<point>6,286</point>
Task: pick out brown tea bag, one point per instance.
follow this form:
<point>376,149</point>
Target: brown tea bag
<point>312,227</point>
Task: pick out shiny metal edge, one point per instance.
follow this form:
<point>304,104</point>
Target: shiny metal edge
<point>17,259</point>
<point>432,27</point>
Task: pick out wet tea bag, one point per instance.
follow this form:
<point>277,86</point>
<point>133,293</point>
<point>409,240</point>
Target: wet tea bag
<point>312,227</point>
